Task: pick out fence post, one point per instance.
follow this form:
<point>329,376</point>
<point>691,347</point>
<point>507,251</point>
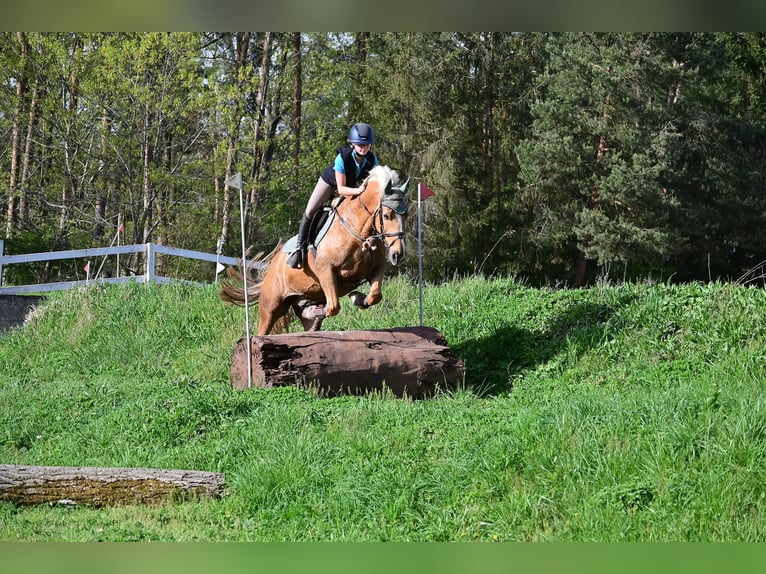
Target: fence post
<point>150,254</point>
<point>1,261</point>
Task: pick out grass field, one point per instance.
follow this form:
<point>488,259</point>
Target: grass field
<point>621,412</point>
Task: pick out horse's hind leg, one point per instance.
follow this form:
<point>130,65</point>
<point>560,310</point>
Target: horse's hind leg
<point>312,324</point>
<point>311,316</point>
<point>268,316</point>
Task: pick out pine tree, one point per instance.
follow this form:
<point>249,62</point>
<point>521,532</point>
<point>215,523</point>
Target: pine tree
<point>592,169</point>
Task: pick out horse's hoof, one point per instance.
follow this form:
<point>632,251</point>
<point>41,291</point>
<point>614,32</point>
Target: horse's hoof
<point>358,299</point>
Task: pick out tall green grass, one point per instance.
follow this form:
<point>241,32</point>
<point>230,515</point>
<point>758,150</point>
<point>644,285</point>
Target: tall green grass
<point>628,412</point>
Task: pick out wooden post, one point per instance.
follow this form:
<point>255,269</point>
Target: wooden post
<point>409,361</point>
<point>150,261</point>
<point>93,486</point>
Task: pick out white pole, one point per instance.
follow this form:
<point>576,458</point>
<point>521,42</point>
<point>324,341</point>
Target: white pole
<point>119,230</point>
<point>150,261</point>
<point>218,266</point>
<point>237,181</point>
<point>420,258</point>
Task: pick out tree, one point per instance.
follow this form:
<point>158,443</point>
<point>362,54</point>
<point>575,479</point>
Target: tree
<point>452,107</point>
<point>16,184</point>
<point>237,92</point>
<point>592,169</point>
<point>554,156</point>
<point>719,170</point>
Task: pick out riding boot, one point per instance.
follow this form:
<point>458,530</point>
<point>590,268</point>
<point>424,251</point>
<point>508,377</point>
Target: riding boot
<point>295,259</point>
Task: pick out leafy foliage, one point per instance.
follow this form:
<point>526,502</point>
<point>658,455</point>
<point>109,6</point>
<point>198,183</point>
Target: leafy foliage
<point>559,157</point>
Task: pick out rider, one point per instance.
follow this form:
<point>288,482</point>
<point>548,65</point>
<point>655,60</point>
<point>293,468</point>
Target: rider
<point>345,176</point>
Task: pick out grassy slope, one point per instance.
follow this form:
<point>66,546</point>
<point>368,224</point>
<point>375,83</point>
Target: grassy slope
<point>616,413</point>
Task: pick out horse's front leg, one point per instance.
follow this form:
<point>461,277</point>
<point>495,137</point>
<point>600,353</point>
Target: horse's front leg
<point>330,289</point>
<point>374,296</point>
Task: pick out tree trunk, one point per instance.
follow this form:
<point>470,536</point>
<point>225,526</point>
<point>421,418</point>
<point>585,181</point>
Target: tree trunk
<point>409,361</point>
<point>23,208</point>
<point>255,194</point>
<point>21,92</point>
<point>100,200</point>
<point>297,101</point>
<point>70,145</point>
<point>581,265</point>
<point>164,197</point>
<point>263,79</point>
<point>29,485</point>
<point>241,46</point>
<point>147,193</point>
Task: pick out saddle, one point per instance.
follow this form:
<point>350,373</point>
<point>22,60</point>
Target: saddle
<point>320,225</point>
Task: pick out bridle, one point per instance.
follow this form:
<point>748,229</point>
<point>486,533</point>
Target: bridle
<point>397,202</point>
<point>377,217</point>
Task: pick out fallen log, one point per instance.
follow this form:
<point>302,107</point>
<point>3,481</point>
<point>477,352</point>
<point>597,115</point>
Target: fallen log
<point>94,486</point>
<point>408,361</point>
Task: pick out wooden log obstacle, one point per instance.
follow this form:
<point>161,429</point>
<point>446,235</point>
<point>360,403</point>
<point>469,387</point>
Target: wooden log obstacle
<point>409,362</point>
<point>94,486</point>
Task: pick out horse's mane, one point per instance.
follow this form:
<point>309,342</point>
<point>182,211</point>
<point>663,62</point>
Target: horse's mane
<point>383,174</point>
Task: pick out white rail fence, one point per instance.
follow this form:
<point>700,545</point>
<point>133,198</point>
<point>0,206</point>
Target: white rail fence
<point>150,250</point>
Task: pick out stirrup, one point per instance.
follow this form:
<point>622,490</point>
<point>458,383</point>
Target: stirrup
<point>295,259</point>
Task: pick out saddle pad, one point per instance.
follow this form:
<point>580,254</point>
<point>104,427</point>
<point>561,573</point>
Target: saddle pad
<point>292,243</point>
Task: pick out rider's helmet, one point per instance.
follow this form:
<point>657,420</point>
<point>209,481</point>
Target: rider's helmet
<point>361,134</point>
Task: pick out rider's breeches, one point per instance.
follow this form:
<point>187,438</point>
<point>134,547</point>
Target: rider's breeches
<point>322,193</point>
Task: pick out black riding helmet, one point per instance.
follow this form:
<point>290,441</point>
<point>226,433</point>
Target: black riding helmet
<point>361,134</point>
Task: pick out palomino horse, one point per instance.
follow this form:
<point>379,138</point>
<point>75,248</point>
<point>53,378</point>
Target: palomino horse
<point>367,231</point>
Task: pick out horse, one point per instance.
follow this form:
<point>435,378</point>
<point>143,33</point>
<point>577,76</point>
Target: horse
<point>365,234</point>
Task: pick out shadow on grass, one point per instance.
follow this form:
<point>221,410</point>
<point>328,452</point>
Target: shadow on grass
<point>492,362</point>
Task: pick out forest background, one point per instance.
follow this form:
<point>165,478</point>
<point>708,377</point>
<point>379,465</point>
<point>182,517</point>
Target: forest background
<point>563,158</point>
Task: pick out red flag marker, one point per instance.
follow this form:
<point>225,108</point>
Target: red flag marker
<point>87,267</point>
<point>425,192</point>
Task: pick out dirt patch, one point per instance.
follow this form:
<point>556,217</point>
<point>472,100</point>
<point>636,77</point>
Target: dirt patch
<point>15,308</point>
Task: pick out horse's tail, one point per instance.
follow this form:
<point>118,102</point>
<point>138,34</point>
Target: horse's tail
<point>256,270</point>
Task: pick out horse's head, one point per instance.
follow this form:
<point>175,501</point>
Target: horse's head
<point>391,214</point>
